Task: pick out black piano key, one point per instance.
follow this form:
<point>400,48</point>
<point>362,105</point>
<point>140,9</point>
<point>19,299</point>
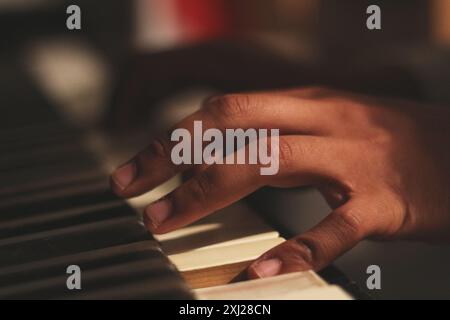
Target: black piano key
<point>36,136</point>
<point>51,171</point>
<point>49,165</point>
<point>134,271</point>
<point>24,158</point>
<point>104,268</point>
<point>56,210</point>
<point>31,145</point>
<point>22,224</point>
<point>92,259</point>
<point>148,278</point>
<point>37,142</point>
<point>70,240</point>
<point>53,200</point>
<point>37,130</point>
<point>150,286</point>
<point>92,175</point>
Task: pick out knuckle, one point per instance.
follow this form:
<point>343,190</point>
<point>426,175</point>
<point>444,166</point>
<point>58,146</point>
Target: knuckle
<point>160,148</point>
<point>286,152</point>
<point>200,186</point>
<point>314,252</point>
<point>381,139</point>
<point>345,108</point>
<point>233,105</point>
<point>350,223</point>
<point>290,152</point>
<point>395,210</point>
<point>304,249</point>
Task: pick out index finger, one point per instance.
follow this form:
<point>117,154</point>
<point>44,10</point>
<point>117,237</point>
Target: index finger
<point>154,165</point>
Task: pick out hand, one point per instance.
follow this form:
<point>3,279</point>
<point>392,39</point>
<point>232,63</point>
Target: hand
<point>382,165</point>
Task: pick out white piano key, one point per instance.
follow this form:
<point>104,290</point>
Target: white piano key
<point>206,258</point>
<point>288,286</point>
<point>230,226</point>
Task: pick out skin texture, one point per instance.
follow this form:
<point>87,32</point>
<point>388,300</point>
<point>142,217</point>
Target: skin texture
<point>382,165</point>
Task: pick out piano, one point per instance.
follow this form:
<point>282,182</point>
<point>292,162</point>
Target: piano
<point>57,210</point>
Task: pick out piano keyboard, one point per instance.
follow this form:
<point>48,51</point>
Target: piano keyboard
<point>56,210</point>
<point>62,213</point>
<point>213,252</point>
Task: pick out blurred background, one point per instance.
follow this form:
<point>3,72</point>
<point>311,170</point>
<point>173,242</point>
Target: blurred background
<point>137,66</point>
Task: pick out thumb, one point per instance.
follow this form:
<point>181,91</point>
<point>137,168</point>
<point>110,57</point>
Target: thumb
<point>340,231</point>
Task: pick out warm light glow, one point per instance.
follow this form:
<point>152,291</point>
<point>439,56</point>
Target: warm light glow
<point>441,21</point>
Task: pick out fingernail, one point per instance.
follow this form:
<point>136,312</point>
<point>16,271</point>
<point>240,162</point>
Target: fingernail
<point>158,212</point>
<point>125,175</point>
<point>267,268</point>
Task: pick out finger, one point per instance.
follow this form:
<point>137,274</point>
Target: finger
<point>153,166</point>
<point>337,233</point>
<point>220,185</point>
<point>208,191</point>
<point>283,109</point>
<point>307,92</point>
<point>318,160</point>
